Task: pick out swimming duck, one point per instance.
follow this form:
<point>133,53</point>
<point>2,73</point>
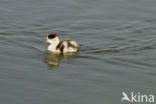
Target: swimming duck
<point>61,46</point>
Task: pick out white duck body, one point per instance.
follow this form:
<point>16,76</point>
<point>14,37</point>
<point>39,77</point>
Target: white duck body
<point>64,46</point>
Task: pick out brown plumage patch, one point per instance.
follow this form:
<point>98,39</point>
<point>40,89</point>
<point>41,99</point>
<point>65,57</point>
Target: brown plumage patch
<point>60,46</point>
<point>70,45</point>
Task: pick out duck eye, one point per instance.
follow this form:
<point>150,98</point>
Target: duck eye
<point>51,36</point>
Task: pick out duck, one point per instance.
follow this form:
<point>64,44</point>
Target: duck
<point>57,45</point>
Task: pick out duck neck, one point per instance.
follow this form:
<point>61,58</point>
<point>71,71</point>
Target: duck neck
<point>53,46</point>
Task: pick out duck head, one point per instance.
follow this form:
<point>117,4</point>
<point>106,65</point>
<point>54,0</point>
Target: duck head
<point>53,39</point>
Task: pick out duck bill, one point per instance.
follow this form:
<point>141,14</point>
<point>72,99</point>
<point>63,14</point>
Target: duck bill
<point>46,42</point>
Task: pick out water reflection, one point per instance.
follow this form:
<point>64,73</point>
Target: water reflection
<point>53,59</point>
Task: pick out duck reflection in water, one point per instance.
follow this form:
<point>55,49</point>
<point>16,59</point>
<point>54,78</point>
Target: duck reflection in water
<point>53,59</point>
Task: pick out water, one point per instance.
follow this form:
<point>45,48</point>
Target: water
<point>118,49</point>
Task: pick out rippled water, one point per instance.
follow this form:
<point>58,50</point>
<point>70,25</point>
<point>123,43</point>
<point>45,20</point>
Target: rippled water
<point>118,51</point>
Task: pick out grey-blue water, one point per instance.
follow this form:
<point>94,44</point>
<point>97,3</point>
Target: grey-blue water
<point>118,51</point>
